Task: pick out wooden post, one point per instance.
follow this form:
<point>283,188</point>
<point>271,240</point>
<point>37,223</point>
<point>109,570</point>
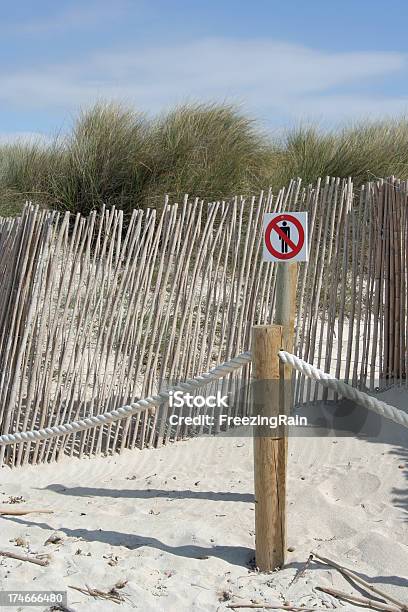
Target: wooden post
<point>286,283</point>
<point>269,452</point>
<point>272,397</point>
<point>285,314</point>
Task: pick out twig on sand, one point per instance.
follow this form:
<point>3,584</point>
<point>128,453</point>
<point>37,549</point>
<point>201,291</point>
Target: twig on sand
<point>21,512</point>
<point>301,571</point>
<point>113,593</point>
<point>60,608</point>
<point>266,606</point>
<point>20,557</point>
<point>364,601</point>
<point>356,578</point>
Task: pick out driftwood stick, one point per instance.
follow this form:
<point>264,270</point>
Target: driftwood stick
<point>356,578</point>
<point>266,606</point>
<point>19,557</point>
<point>301,571</point>
<point>364,601</point>
<point>18,512</point>
<point>112,594</point>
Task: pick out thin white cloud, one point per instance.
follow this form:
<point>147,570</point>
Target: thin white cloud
<point>25,138</point>
<point>76,16</point>
<point>329,108</point>
<point>269,77</point>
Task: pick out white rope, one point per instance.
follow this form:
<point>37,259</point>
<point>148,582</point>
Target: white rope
<point>149,403</point>
<point>191,384</point>
<point>329,381</point>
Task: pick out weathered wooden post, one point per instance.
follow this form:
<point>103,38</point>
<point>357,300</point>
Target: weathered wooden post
<point>285,314</point>
<point>285,242</point>
<point>273,397</point>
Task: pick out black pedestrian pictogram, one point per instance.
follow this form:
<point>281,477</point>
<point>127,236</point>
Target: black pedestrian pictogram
<point>284,243</point>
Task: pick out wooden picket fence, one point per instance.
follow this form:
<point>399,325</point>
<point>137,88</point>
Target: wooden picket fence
<point>96,313</point>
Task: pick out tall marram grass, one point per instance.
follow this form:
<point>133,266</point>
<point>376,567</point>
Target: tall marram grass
<point>208,151</point>
<point>363,151</point>
<point>116,156</point>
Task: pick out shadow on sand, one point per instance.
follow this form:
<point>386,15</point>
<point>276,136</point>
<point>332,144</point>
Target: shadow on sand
<point>344,418</point>
<point>150,493</point>
<point>236,555</point>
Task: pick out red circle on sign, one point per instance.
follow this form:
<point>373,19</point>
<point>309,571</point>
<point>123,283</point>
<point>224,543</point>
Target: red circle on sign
<point>272,226</point>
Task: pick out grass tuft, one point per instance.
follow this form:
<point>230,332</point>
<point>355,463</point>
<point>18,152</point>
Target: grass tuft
<point>116,156</point>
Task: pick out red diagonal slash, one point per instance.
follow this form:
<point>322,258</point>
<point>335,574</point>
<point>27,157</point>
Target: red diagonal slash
<point>285,237</point>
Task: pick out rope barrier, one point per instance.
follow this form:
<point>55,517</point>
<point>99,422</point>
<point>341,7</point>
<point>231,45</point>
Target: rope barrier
<point>192,384</point>
<point>342,388</point>
<point>149,403</point>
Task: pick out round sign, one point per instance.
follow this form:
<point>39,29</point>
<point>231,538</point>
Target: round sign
<point>273,226</point>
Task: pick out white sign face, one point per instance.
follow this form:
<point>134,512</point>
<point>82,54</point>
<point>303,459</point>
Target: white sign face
<point>285,237</point>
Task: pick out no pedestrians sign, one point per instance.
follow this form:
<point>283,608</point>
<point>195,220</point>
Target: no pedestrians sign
<point>285,237</point>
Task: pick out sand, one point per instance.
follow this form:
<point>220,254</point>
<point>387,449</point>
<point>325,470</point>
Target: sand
<point>177,523</point>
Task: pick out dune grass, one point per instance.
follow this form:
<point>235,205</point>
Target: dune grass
<point>116,156</point>
<point>364,152</point>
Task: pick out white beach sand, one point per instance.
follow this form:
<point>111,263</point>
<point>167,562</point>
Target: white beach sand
<point>177,523</point>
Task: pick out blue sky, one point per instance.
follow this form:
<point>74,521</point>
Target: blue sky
<point>283,62</point>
